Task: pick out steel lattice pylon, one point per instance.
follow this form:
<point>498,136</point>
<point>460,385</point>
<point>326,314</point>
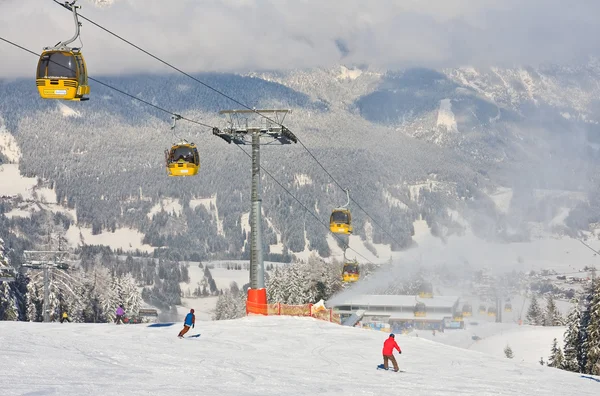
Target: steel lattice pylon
<point>45,261</point>
<point>238,131</point>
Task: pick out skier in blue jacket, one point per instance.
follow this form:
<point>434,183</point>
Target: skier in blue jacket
<point>190,321</point>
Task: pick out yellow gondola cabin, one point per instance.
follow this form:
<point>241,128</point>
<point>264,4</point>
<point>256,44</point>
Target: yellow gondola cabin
<point>426,290</point>
<point>351,272</point>
<point>340,221</point>
<point>420,309</point>
<point>62,75</point>
<point>182,160</point>
<point>467,310</point>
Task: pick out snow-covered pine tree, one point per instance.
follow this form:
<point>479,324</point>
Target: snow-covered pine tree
<point>274,286</point>
<point>130,295</point>
<point>592,344</point>
<point>8,292</point>
<point>508,352</point>
<point>560,359</point>
<point>534,313</point>
<point>230,306</point>
<point>54,304</point>
<point>98,298</point>
<point>314,274</point>
<point>33,302</point>
<point>241,304</point>
<point>293,285</point>
<point>583,333</point>
<point>108,289</point>
<point>8,303</point>
<point>72,295</point>
<point>332,281</point>
<point>556,356</point>
<point>221,308</point>
<point>552,316</point>
<point>572,345</point>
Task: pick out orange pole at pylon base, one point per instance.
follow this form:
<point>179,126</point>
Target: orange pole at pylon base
<point>257,302</point>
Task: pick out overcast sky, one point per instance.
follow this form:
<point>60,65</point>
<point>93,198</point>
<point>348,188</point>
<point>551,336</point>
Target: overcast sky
<point>242,35</point>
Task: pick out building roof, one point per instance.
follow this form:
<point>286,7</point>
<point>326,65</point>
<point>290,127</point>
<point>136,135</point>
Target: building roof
<point>431,316</point>
<point>398,301</point>
<point>410,316</point>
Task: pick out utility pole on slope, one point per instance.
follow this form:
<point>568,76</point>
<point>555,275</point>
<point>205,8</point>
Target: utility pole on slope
<point>238,132</point>
<point>46,261</point>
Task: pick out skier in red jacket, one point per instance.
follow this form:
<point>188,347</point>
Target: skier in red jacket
<point>388,352</point>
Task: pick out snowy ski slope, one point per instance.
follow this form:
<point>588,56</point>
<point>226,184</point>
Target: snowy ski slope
<point>255,356</point>
<point>528,343</point>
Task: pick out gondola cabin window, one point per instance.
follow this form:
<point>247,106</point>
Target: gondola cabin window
<point>351,268</point>
<point>183,154</point>
<point>59,65</point>
<point>340,217</point>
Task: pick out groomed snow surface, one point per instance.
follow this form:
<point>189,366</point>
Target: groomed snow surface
<point>528,343</point>
<point>255,356</point>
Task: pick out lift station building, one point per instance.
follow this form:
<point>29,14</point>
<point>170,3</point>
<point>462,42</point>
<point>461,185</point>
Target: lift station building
<point>400,313</point>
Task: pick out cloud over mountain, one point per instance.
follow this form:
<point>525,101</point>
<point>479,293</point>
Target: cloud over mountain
<point>237,35</point>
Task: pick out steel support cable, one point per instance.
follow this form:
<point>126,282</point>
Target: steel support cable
<point>389,234</point>
<point>161,60</point>
<point>114,88</point>
<point>304,206</point>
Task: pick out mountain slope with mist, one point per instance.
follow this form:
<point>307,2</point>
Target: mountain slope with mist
<point>512,151</point>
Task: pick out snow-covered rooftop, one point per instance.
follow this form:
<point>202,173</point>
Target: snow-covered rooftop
<point>410,316</point>
<point>398,301</point>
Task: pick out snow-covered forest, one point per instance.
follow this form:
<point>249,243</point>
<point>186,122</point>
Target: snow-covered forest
<point>581,349</point>
<point>85,295</point>
<point>92,289</point>
<point>295,284</point>
<point>550,316</point>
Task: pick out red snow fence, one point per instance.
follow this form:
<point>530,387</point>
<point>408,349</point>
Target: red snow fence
<point>279,309</point>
